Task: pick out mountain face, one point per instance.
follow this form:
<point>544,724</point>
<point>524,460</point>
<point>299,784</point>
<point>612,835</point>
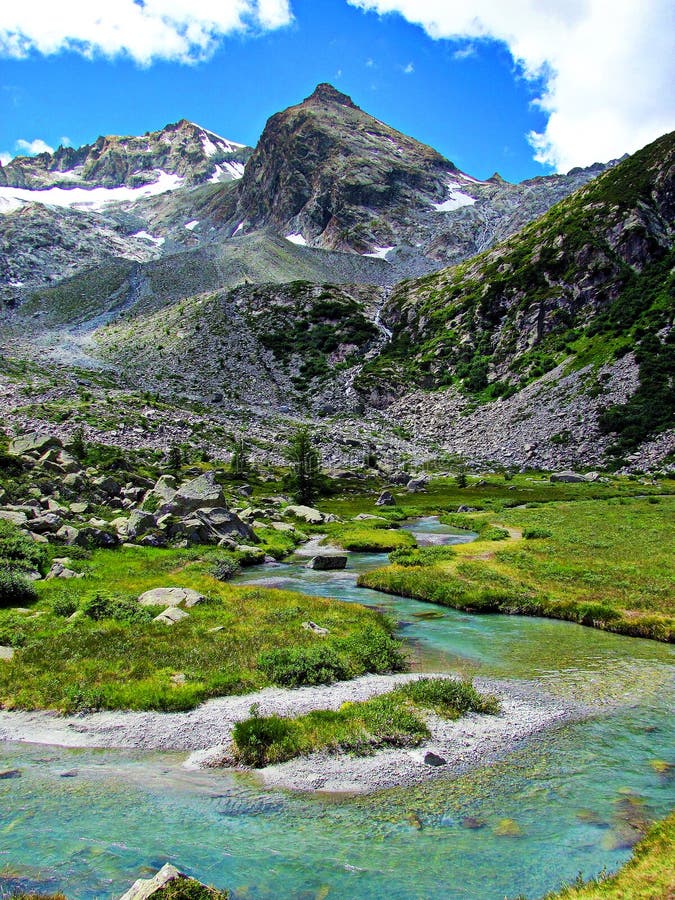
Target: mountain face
<point>330,175</point>
<point>183,149</point>
<point>355,277</point>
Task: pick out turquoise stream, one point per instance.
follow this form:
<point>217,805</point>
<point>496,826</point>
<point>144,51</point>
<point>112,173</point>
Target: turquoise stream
<point>573,792</point>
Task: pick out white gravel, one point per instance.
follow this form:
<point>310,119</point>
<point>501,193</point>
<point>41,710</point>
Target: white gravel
<point>206,732</point>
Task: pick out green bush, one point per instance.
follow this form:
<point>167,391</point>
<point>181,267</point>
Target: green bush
<point>101,606</point>
<point>255,737</point>
<point>494,534</point>
<point>18,549</point>
<point>422,556</point>
<point>373,650</point>
<point>533,534</point>
<point>64,606</point>
<point>448,698</point>
<point>15,588</point>
<point>293,667</point>
<point>225,568</point>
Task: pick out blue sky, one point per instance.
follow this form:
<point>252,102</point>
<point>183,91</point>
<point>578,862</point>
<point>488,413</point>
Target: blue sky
<point>473,89</point>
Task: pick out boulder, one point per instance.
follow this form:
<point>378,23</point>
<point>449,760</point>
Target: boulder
<point>67,462</point>
<point>46,523</point>
<point>171,615</point>
<point>591,476</point>
<point>171,597</point>
<point>6,655</point>
<point>68,534</point>
<point>165,488</point>
<point>140,522</point>
<point>386,498</point>
<point>306,513</point>
<point>327,562</point>
<point>33,442</point>
<point>199,493</point>
<point>567,477</point>
<point>107,485</point>
<point>399,478</point>
<point>15,517</point>
<point>415,485</point>
<point>223,522</point>
<point>364,517</point>
<point>95,537</point>
<point>60,570</point>
<point>79,507</point>
<point>74,481</point>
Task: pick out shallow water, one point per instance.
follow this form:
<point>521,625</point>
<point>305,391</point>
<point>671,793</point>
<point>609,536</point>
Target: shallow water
<point>572,792</point>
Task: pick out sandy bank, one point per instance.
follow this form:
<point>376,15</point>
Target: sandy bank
<point>205,733</point>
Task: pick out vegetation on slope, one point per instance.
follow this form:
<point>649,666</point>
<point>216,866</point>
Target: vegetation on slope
<point>591,278</point>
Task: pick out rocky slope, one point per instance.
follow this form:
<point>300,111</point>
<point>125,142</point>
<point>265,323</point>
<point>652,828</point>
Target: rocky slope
<point>327,173</point>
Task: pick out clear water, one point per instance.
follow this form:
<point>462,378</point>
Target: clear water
<point>576,793</point>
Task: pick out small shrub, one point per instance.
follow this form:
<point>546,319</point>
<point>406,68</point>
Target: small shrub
<point>422,556</point>
<point>373,650</point>
<point>15,588</point>
<point>17,548</point>
<point>494,534</point>
<point>101,606</point>
<point>533,534</point>
<point>449,698</point>
<point>300,666</point>
<point>64,606</point>
<point>254,737</point>
<point>225,568</point>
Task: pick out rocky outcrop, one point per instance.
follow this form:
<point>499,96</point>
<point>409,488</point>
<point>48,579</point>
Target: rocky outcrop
<point>165,879</point>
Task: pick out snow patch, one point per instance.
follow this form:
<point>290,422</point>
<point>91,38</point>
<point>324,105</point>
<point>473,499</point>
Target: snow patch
<point>456,200</point>
<point>234,170</point>
<point>86,198</point>
<point>227,146</point>
<point>379,252</point>
<point>191,225</point>
<point>296,238</point>
<point>144,235</point>
<point>239,228</point>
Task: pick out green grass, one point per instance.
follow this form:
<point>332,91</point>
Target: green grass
<point>366,538</point>
<point>604,563</point>
<point>123,660</point>
<point>648,875</point>
<point>395,719</point>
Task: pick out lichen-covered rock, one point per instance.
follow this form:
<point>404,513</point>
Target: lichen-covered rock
<point>171,596</point>
<point>33,442</point>
<point>306,513</point>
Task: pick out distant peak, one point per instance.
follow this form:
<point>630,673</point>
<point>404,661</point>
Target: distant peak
<point>326,93</point>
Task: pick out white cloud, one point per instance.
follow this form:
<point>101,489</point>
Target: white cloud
<point>65,141</point>
<point>607,66</point>
<point>5,158</point>
<point>465,52</point>
<point>32,148</point>
<point>409,69</point>
<point>181,30</point>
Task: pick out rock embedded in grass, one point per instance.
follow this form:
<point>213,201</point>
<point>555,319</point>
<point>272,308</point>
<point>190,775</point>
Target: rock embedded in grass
<point>171,596</point>
<point>171,615</point>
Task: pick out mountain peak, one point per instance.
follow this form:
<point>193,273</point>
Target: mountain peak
<point>326,93</point>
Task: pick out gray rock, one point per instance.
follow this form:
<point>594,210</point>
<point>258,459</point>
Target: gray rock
<point>314,628</point>
<point>140,522</point>
<point>222,522</point>
<point>386,498</point>
<point>79,507</point>
<point>171,615</point>
<point>68,534</point>
<point>10,773</point>
<point>6,654</point>
<point>15,517</point>
<point>46,523</point>
<point>60,570</point>
<point>567,477</point>
<point>415,485</point>
<point>107,485</point>
<point>171,597</point>
<point>146,887</point>
<point>200,493</point>
<point>165,488</point>
<point>306,513</point>
<point>591,476</point>
<point>33,442</point>
<point>95,537</point>
<point>327,562</point>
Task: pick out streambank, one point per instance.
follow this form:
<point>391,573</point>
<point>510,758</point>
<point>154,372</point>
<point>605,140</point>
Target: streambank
<point>205,733</point>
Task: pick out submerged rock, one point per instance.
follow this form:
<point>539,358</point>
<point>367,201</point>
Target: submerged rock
<point>327,562</point>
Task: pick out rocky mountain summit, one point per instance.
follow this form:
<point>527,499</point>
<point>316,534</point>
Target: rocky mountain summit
<point>183,149</point>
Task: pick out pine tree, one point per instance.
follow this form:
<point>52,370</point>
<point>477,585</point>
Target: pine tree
<point>305,466</point>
